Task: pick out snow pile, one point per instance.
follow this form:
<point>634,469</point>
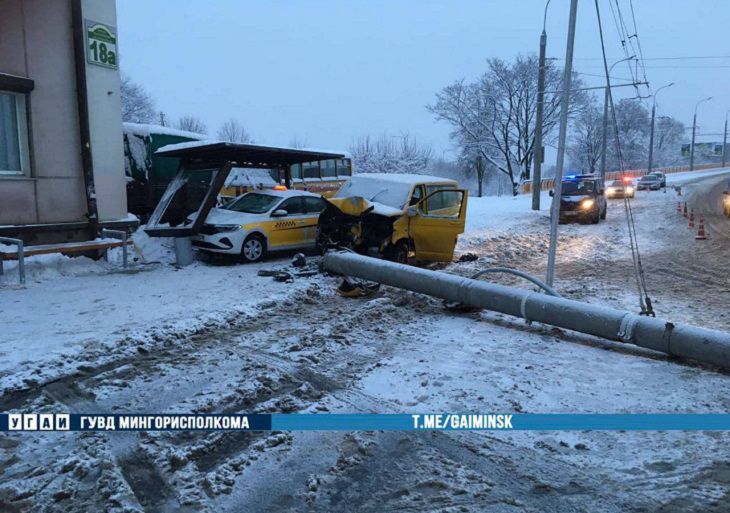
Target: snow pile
<point>151,249</point>
<point>42,268</point>
<point>136,156</point>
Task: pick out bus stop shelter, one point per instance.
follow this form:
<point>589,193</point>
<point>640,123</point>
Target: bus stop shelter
<point>208,164</point>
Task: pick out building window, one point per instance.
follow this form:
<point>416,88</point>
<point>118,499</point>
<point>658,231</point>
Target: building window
<point>344,167</point>
<point>310,170</point>
<point>14,158</point>
<point>327,168</point>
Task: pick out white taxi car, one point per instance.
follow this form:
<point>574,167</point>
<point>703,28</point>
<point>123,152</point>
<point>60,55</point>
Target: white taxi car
<point>262,221</point>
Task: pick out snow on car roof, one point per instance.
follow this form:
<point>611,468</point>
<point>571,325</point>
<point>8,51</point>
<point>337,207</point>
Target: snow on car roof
<point>403,178</point>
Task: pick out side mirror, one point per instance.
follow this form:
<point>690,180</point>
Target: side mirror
<point>551,193</point>
<point>279,213</point>
<point>412,211</point>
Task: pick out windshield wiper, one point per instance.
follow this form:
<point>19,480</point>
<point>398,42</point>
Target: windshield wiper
<point>377,194</point>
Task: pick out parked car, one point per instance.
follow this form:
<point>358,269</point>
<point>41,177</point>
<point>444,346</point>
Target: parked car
<point>258,222</point>
<point>649,183</point>
<point>621,189</point>
<point>582,199</point>
<point>662,178</point>
<point>395,216</point>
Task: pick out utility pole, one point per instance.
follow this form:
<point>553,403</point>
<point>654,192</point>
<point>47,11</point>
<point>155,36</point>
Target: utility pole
<point>651,133</point>
<point>724,140</point>
<point>604,140</point>
<point>564,108</point>
<point>694,131</point>
<point>538,153</point>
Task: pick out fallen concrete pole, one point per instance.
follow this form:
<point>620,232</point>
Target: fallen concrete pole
<point>680,340</point>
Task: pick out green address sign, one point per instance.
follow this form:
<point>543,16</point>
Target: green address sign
<point>101,44</point>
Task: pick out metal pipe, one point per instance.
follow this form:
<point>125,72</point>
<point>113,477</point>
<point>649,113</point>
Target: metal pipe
<point>679,340</point>
<point>536,281</point>
<point>21,257</point>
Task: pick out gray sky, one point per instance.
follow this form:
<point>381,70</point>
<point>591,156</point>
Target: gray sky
<point>328,71</point>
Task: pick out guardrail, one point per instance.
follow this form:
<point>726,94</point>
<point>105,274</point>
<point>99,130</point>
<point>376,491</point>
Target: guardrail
<point>548,183</point>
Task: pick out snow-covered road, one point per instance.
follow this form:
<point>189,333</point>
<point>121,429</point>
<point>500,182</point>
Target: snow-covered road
<point>221,339</point>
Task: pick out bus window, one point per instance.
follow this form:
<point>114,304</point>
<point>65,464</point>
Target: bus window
<point>344,167</point>
<point>296,172</point>
<point>276,175</point>
<point>327,168</point>
<point>310,170</point>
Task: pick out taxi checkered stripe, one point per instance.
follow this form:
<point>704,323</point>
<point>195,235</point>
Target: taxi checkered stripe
<point>285,224</point>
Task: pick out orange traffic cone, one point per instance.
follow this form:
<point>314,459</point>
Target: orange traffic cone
<point>701,235</point>
<point>685,209</point>
<point>692,219</point>
<point>679,207</point>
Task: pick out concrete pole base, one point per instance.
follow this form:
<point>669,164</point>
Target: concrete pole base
<point>183,251</point>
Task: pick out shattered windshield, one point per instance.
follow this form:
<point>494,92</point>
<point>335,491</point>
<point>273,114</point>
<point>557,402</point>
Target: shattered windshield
<point>253,203</point>
<point>391,193</point>
<point>578,188</point>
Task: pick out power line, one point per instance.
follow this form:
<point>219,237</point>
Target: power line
<point>644,300</point>
<point>691,57</point>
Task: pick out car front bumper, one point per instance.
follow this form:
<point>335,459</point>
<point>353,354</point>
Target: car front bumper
<point>224,242</point>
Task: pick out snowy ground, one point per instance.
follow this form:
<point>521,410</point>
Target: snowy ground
<point>87,337</point>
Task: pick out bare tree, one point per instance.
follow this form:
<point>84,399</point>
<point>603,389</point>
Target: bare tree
<point>495,116</point>
<point>234,131</point>
<point>137,104</point>
<point>192,124</point>
<point>399,154</point>
<point>585,148</point>
<point>297,142</point>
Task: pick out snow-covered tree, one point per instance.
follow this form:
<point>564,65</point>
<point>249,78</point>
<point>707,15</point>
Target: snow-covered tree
<point>634,123</point>
<point>394,154</point>
<point>191,123</point>
<point>137,104</point>
<point>494,116</point>
<point>669,134</point>
<point>233,131</point>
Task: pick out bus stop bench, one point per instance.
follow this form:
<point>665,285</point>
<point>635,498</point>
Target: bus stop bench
<point>110,239</point>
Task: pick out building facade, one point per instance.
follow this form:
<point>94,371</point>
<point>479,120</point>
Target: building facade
<point>61,143</point>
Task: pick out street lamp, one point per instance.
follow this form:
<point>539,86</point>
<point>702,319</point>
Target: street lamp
<point>724,140</point>
<point>605,116</point>
<point>694,131</point>
<point>651,133</point>
<point>537,157</point>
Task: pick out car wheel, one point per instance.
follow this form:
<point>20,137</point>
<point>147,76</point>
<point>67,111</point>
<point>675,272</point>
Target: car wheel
<point>254,248</point>
<point>398,252</point>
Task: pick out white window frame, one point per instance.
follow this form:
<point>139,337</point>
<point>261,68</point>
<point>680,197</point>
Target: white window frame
<point>21,106</point>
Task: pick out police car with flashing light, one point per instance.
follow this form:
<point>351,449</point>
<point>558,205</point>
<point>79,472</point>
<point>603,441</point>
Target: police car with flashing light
<point>583,199</point>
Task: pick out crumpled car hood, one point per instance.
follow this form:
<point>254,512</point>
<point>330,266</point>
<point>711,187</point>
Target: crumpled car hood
<point>359,206</point>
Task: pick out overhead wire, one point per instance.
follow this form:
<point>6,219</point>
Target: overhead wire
<point>645,302</point>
